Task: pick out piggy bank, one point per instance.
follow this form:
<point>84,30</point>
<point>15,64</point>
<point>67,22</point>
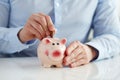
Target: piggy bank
<point>51,51</point>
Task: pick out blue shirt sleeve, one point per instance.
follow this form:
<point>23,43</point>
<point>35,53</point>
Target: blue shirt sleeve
<point>106,27</point>
<point>9,42</point>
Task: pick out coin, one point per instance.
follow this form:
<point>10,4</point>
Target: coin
<point>52,34</point>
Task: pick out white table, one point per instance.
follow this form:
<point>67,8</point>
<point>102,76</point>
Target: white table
<point>30,69</point>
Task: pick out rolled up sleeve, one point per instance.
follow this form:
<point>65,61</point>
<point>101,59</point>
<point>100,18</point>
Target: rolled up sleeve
<point>9,42</point>
<point>106,27</point>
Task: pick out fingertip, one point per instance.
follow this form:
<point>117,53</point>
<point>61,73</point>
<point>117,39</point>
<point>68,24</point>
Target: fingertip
<point>67,52</point>
<point>52,28</point>
<point>65,61</point>
<point>55,29</point>
<point>72,65</point>
<point>47,33</point>
<point>40,38</point>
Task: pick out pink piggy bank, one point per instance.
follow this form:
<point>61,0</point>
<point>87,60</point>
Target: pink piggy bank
<point>51,52</point>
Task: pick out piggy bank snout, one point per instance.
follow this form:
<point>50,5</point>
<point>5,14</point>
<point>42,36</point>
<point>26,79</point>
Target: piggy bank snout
<point>56,53</point>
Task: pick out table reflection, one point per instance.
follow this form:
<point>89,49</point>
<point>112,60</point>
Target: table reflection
<point>30,69</point>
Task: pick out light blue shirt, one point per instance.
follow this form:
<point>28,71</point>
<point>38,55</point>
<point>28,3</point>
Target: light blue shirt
<point>73,20</point>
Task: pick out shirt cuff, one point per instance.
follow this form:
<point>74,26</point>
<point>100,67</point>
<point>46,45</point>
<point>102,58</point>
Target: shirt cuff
<point>16,44</point>
<point>100,51</point>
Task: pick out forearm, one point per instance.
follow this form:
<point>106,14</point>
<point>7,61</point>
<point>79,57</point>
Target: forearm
<point>9,42</point>
<point>107,45</point>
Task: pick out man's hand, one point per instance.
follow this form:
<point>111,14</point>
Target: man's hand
<point>38,26</point>
<point>78,54</point>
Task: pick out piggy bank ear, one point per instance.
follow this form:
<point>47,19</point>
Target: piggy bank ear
<point>46,40</point>
<point>63,41</point>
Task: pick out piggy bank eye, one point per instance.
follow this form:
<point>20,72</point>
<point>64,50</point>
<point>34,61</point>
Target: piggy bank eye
<point>57,43</point>
<point>53,43</point>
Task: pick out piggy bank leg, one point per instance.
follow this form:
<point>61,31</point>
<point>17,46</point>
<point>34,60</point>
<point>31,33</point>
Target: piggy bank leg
<point>59,65</point>
<point>46,65</point>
